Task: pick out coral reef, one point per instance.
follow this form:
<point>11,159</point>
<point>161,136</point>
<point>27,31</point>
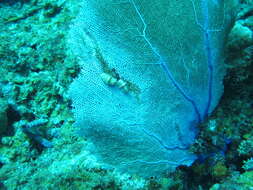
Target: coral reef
<point>3,116</point>
<point>36,70</point>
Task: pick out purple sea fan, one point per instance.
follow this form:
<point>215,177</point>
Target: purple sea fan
<point>151,72</point>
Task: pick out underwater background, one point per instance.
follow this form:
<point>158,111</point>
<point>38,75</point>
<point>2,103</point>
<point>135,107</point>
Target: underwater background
<point>40,148</point>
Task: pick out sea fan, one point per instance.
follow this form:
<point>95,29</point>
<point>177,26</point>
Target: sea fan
<point>151,72</point>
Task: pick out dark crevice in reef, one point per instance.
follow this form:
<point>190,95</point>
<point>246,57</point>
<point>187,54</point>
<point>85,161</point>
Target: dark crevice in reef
<point>14,2</point>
